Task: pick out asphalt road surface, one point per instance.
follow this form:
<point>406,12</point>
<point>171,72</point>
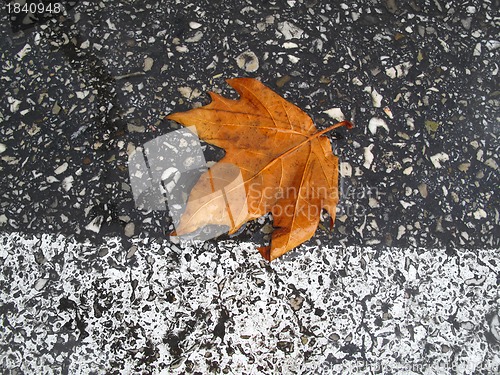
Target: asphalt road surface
<point>407,280</point>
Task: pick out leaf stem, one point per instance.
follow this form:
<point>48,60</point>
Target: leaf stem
<point>345,123</point>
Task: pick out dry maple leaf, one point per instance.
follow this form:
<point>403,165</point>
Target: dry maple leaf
<point>284,164</point>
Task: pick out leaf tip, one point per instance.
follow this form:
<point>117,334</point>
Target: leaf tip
<point>265,251</point>
<point>244,82</point>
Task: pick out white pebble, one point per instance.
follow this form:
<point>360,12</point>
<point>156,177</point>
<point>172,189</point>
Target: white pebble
<point>368,156</point>
<point>67,183</point>
<point>95,224</point>
<point>148,64</point>
<point>335,113</point>
<point>62,168</point>
<point>408,171</point>
<point>480,214</point>
<point>345,169</point>
<point>129,229</point>
<point>490,163</point>
<point>376,97</point>
<point>289,30</point>
<point>195,38</point>
<point>438,158</point>
<point>14,104</point>
<point>40,283</point>
<point>376,122</point>
<point>406,204</point>
<point>23,52</point>
<point>248,61</point>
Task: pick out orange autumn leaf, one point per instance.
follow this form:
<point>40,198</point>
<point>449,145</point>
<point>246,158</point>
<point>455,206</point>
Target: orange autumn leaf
<point>283,164</point>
